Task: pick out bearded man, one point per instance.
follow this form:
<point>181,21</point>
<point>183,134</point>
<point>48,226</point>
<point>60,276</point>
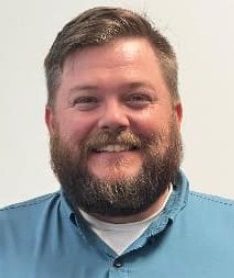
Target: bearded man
<point>124,208</point>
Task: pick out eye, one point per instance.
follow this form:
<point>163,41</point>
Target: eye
<point>85,103</point>
<point>139,100</point>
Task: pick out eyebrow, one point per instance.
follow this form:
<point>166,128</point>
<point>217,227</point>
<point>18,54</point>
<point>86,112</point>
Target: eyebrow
<point>83,88</point>
<point>127,86</point>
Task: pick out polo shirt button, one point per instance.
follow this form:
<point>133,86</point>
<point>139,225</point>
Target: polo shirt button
<point>117,263</point>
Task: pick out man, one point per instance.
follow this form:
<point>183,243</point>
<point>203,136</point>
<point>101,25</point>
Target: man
<point>124,208</point>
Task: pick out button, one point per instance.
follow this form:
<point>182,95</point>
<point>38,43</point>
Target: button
<point>151,240</point>
<point>117,263</point>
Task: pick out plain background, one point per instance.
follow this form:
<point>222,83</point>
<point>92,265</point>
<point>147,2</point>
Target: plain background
<point>202,33</point>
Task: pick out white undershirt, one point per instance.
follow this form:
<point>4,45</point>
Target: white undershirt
<point>120,236</point>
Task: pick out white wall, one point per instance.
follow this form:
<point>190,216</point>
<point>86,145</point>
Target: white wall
<point>202,32</point>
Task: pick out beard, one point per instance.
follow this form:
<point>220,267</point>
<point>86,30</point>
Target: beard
<point>125,196</point>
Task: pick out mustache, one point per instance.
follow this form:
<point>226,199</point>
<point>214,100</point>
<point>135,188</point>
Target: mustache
<point>105,138</point>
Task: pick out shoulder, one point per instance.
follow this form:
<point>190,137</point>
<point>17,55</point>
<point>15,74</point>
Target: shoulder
<point>23,222</point>
<point>24,225</point>
<point>34,206</point>
<point>211,209</point>
<point>211,200</point>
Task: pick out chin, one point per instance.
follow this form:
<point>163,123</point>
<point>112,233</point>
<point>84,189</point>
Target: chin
<point>114,174</point>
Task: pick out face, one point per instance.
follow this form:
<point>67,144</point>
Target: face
<point>113,128</point>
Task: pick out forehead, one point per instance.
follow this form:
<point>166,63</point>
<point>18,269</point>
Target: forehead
<point>122,61</point>
<point>115,53</point>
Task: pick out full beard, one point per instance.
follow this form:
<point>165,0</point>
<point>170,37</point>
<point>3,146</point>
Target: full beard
<point>162,154</point>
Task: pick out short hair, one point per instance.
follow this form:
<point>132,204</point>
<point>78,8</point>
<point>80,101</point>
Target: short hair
<point>99,26</point>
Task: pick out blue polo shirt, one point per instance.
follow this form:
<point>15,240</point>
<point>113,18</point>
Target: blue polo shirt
<point>192,237</point>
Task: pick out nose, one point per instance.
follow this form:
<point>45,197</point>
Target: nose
<point>113,117</point>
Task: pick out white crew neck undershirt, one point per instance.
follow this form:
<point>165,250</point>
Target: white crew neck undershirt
<point>120,236</point>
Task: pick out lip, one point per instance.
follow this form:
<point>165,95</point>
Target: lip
<point>115,148</point>
<point>114,155</point>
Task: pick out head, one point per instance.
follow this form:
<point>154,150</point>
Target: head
<point>113,112</point>
<point>99,26</point>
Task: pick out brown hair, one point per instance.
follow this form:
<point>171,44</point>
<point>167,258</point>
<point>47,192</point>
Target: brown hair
<point>98,26</point>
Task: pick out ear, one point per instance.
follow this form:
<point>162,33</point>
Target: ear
<point>178,113</point>
<point>50,119</point>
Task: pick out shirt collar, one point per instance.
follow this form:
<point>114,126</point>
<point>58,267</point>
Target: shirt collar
<point>175,204</point>
<point>179,197</point>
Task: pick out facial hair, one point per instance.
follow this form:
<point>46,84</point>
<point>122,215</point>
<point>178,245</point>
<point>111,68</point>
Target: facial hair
<point>162,154</point>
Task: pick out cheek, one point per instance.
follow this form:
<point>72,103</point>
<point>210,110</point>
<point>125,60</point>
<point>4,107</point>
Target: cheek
<point>76,129</point>
<point>150,122</point>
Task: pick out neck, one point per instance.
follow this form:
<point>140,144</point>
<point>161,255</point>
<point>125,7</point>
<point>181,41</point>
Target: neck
<point>140,216</point>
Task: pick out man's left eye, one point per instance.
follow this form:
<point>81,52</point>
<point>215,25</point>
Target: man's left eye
<point>138,100</point>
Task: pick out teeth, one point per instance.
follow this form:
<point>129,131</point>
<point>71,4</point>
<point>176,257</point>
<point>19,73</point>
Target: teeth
<point>113,148</point>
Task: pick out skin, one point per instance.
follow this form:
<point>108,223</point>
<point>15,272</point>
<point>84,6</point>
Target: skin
<point>116,86</point>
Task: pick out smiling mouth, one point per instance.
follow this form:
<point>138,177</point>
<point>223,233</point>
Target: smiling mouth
<point>115,148</point>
